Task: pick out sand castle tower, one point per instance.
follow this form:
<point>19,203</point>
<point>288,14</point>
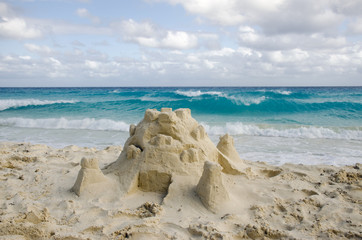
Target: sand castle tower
<point>168,143</point>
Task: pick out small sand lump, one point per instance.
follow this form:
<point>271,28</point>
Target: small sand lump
<point>89,174</point>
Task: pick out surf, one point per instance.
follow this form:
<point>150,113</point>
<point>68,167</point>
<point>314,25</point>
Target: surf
<point>16,103</point>
<point>64,123</point>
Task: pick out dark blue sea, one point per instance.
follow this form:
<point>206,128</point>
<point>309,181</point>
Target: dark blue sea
<point>274,125</point>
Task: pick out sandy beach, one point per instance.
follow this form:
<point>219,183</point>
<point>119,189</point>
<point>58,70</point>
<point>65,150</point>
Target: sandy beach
<point>180,119</point>
<point>87,193</point>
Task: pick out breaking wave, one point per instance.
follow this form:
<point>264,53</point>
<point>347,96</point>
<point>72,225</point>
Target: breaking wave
<point>235,99</point>
<point>63,123</point>
<point>15,103</point>
<point>286,132</point>
<point>192,93</point>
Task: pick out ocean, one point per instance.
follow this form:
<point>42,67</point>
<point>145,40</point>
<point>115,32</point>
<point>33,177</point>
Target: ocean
<point>273,125</point>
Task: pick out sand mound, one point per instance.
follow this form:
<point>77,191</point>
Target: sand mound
<point>164,144</point>
<point>210,188</point>
<point>89,175</point>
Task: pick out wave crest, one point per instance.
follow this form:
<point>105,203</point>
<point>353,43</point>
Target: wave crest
<point>197,93</point>
<point>237,100</point>
<point>15,103</point>
<point>246,101</point>
<point>63,123</point>
<point>287,132</point>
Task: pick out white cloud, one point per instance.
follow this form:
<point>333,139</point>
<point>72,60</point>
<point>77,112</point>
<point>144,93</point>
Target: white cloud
<point>43,50</point>
<point>14,27</point>
<point>294,55</point>
<point>355,26</point>
<point>209,64</point>
<point>5,9</point>
<point>221,52</point>
<point>349,8</point>
<point>251,38</point>
<point>25,57</point>
<point>222,12</point>
<point>64,28</point>
<point>229,65</point>
<point>238,42</point>
<point>149,35</point>
<point>275,16</point>
<point>92,64</point>
<point>84,13</point>
<point>55,62</point>
<point>17,28</point>
<point>302,16</point>
<point>132,28</point>
<point>179,40</point>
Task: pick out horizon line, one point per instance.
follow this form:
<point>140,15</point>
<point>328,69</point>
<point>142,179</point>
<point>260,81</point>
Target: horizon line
<point>281,86</point>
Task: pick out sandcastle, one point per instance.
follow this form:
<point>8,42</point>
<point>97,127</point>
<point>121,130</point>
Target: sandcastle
<point>167,143</point>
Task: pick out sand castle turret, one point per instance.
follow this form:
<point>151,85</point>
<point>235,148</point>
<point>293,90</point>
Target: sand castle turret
<point>210,188</point>
<point>229,157</point>
<point>89,175</point>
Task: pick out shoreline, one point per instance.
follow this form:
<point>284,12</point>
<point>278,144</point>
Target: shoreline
<point>288,201</point>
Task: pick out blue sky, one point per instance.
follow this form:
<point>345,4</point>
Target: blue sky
<point>180,43</point>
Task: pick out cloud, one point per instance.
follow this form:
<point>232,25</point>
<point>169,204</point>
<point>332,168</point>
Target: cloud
<point>13,27</point>
<point>29,68</point>
<point>42,50</point>
<point>92,64</point>
<point>179,40</point>
<point>301,17</point>
<point>148,35</point>
<point>227,12</point>
<point>221,12</point>
<point>348,8</point>
<point>84,13</point>
<point>5,9</point>
<point>66,28</point>
<point>239,43</point>
<point>17,28</point>
<point>250,37</point>
<point>274,16</point>
<point>355,27</point>
<point>77,43</point>
<point>226,66</point>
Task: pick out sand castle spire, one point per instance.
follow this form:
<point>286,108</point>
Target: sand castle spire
<point>88,175</point>
<point>210,188</point>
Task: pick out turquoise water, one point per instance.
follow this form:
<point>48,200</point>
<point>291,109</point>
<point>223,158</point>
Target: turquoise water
<point>276,125</point>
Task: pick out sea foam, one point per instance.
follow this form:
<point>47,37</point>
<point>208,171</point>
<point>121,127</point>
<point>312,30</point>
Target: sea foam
<point>197,93</point>
<point>64,123</point>
<point>235,99</point>
<point>15,103</point>
<point>285,131</point>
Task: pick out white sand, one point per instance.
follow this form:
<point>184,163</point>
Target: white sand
<point>259,201</point>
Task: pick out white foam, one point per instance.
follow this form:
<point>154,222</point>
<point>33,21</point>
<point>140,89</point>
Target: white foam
<point>239,100</point>
<point>197,93</point>
<point>63,123</point>
<point>115,91</point>
<point>283,92</point>
<point>278,91</point>
<point>286,132</point>
<point>14,103</point>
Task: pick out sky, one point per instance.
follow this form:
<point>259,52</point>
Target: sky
<point>59,43</point>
